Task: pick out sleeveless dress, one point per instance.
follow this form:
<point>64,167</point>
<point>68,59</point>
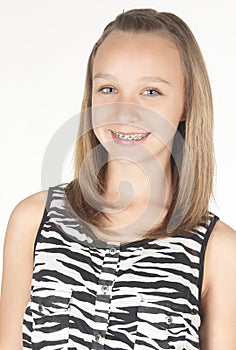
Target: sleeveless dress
<point>90,294</point>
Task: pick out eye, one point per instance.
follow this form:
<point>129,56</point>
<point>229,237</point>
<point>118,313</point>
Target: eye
<point>108,90</point>
<point>151,92</point>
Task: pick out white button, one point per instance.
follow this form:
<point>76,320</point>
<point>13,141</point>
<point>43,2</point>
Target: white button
<point>98,337</point>
<point>169,320</point>
<point>104,288</point>
<point>112,250</point>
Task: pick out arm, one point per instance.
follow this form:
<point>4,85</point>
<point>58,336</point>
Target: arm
<point>218,329</point>
<point>18,268</point>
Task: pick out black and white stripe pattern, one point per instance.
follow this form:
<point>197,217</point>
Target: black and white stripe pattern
<point>89,294</point>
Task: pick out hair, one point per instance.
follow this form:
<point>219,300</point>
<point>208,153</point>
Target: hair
<point>192,186</point>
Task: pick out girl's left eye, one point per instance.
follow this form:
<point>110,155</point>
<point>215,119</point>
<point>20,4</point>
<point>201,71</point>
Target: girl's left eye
<point>151,92</point>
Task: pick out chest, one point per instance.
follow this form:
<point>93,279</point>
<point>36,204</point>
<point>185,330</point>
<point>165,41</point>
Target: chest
<point>124,297</point>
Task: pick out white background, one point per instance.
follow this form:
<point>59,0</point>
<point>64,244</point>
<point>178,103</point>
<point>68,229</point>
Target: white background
<point>45,45</point>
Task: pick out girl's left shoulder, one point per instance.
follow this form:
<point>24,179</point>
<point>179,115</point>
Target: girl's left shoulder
<point>218,298</point>
<point>222,237</point>
<point>220,257</point>
<point>221,248</point>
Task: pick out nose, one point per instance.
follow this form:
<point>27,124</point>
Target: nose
<point>121,113</point>
<point>125,112</point>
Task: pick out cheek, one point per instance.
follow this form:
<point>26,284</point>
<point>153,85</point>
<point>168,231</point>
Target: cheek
<point>97,132</point>
<point>178,106</point>
<point>173,110</point>
<point>101,133</point>
<point>94,100</point>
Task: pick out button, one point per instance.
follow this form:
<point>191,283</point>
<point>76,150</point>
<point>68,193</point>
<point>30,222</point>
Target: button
<point>169,320</point>
<point>40,307</point>
<point>105,288</point>
<point>194,312</point>
<point>112,250</point>
<point>98,337</point>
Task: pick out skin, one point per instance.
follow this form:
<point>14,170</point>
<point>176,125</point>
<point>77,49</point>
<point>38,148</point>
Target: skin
<point>219,280</point>
<point>164,96</point>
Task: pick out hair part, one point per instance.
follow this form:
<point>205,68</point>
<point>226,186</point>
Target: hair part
<point>192,182</point>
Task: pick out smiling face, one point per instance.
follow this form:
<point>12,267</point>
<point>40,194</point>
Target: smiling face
<point>143,70</point>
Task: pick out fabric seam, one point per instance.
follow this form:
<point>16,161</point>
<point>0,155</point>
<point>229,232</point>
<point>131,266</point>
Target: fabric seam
<point>202,260</point>
<point>44,217</point>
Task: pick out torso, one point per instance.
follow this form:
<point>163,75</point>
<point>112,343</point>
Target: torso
<point>57,227</point>
<point>118,220</point>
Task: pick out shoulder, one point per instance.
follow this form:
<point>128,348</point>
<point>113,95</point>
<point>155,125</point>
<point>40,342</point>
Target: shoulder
<point>30,207</point>
<point>220,256</point>
<point>25,218</point>
<point>18,261</point>
<point>222,240</point>
<point>218,300</point>
<point>222,228</point>
<point>31,202</point>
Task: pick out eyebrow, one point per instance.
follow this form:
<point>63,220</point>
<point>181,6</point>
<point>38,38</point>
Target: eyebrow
<point>148,79</point>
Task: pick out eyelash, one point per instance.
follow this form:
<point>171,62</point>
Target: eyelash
<point>158,93</point>
<point>105,87</point>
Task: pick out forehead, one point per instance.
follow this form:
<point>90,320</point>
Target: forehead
<point>133,52</point>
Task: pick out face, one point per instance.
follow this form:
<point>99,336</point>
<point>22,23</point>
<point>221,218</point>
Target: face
<point>141,72</point>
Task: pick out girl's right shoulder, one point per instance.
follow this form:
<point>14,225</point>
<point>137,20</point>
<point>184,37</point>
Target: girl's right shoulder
<point>18,261</point>
<point>27,214</point>
<point>34,202</point>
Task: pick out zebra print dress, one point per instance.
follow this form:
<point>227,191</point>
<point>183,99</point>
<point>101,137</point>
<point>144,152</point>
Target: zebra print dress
<point>91,294</point>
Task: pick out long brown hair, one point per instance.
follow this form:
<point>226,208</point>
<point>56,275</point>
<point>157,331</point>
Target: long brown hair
<point>191,185</point>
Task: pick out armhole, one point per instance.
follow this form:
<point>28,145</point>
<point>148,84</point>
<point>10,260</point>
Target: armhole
<point>202,259</point>
<point>44,218</point>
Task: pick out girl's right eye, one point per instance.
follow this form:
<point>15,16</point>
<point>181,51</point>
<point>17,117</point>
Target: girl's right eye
<point>108,90</point>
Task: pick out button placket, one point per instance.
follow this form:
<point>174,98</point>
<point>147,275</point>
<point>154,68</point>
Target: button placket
<point>102,304</point>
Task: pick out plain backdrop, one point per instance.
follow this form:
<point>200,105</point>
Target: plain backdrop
<point>45,45</point>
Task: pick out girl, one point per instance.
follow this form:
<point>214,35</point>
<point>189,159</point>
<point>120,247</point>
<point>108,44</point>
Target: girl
<point>99,267</point>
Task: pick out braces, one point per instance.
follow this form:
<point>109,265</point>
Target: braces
<point>131,137</point>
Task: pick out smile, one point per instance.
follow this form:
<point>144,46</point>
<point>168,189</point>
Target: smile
<point>130,137</point>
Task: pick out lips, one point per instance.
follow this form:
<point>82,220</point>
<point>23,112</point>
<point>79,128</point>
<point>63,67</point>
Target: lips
<point>129,138</point>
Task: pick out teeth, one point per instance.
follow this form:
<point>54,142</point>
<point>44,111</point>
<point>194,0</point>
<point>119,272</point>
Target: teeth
<point>130,137</point>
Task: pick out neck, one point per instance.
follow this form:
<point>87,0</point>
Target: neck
<point>134,185</point>
<point>141,194</point>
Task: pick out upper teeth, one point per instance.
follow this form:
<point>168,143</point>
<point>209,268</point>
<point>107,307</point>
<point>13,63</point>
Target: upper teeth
<point>131,137</point>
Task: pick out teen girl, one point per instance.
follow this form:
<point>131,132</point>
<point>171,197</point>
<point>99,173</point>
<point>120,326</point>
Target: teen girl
<point>158,269</point>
